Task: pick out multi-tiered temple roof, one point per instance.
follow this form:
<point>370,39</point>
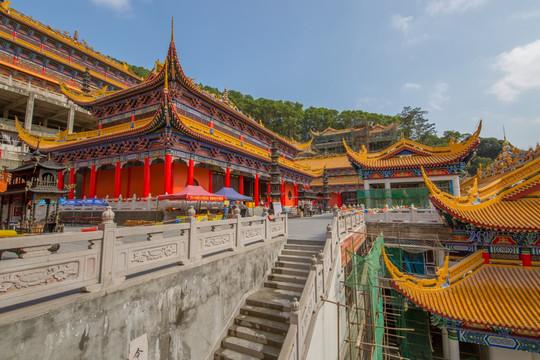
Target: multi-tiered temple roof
<point>406,154</point>
<point>168,111</point>
<point>508,199</point>
<point>478,295</point>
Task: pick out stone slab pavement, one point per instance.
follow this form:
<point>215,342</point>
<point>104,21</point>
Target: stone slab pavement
<point>309,228</point>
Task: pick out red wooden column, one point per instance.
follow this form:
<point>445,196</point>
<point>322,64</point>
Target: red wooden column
<point>295,194</point>
<point>526,259</point>
<point>83,184</point>
<point>60,184</point>
<point>485,255</point>
<point>210,179</point>
<point>167,175</point>
<point>256,190</point>
<point>72,182</point>
<point>268,192</point>
<point>117,180</point>
<point>228,177</point>
<point>191,171</point>
<point>282,192</point>
<point>146,178</point>
<point>339,203</point>
<point>241,184</point>
<point>93,182</point>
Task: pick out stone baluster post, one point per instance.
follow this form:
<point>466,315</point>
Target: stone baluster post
<point>108,243</point>
<point>294,318</point>
<point>193,236</point>
<point>267,235</point>
<point>238,218</point>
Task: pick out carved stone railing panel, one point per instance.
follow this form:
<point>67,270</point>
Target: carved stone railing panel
<point>406,215</point>
<point>99,259</point>
<point>253,233</point>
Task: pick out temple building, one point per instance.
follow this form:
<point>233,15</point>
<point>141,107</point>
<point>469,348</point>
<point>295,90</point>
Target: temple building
<point>164,133</point>
<point>392,176</point>
<point>34,59</point>
<point>374,138</point>
<point>343,181</point>
<point>491,296</point>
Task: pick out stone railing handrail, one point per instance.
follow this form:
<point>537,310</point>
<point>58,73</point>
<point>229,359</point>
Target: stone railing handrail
<point>406,215</point>
<point>100,259</point>
<point>317,286</point>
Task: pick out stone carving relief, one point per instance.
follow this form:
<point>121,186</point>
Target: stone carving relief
<point>41,276</point>
<point>276,228</point>
<point>214,241</point>
<point>147,255</point>
<point>253,233</point>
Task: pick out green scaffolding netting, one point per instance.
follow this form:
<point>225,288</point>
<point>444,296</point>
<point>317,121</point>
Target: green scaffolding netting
<point>379,198</point>
<point>364,276</point>
<point>416,343</point>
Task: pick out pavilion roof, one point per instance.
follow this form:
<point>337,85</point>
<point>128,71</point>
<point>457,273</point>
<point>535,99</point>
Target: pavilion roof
<point>407,154</point>
<point>504,296</point>
<point>512,202</point>
<point>331,131</point>
<point>508,160</point>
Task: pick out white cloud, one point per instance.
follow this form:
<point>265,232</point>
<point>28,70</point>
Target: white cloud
<point>411,86</point>
<point>117,5</point>
<point>401,23</point>
<point>436,7</point>
<point>439,96</point>
<point>525,15</point>
<point>522,68</point>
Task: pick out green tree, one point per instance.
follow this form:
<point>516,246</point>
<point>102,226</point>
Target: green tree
<point>316,119</point>
<point>414,125</point>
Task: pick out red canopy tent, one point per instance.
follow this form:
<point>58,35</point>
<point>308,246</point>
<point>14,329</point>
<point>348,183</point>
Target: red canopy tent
<point>192,193</point>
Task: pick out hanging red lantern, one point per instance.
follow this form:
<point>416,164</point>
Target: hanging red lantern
<point>14,35</point>
<point>41,47</point>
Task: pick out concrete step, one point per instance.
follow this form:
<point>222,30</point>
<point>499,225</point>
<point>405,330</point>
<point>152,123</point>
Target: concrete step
<point>273,299</point>
<point>306,242</point>
<point>253,322</point>
<point>305,253</point>
<point>259,336</point>
<point>265,313</point>
<point>228,354</point>
<point>298,259</point>
<point>291,272</point>
<point>260,351</point>
<point>293,265</point>
<point>303,247</point>
<point>288,278</point>
<point>285,286</point>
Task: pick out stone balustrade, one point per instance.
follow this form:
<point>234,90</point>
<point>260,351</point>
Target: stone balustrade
<point>317,286</point>
<point>100,259</point>
<point>405,215</point>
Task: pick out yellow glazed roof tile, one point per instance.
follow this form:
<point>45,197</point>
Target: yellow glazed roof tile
<point>418,154</point>
<point>491,295</point>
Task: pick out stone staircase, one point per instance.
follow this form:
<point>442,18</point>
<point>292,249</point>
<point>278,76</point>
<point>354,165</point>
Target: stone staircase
<point>260,328</point>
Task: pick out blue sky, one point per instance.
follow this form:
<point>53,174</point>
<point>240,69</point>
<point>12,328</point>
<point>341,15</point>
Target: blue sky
<point>461,60</point>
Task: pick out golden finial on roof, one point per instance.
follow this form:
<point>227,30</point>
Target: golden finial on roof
<point>172,30</point>
<point>76,35</point>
